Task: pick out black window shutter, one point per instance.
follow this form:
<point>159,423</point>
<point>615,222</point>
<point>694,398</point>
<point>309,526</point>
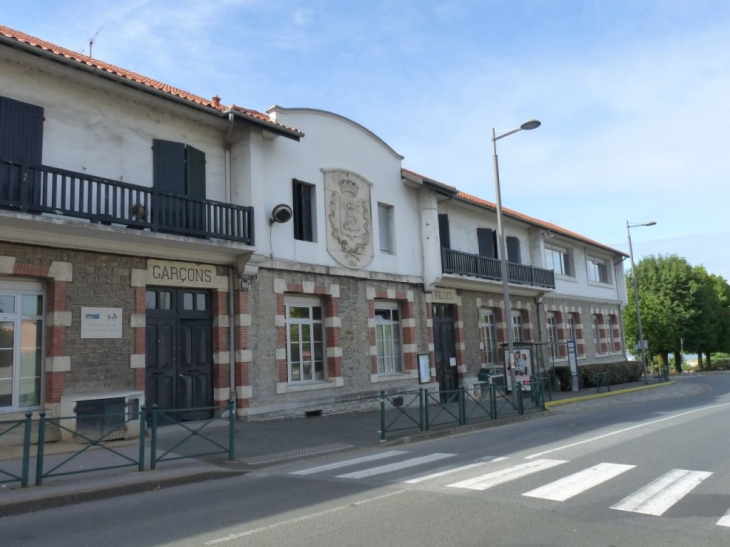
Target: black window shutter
<point>303,228</point>
<point>195,171</point>
<point>168,166</point>
<point>21,132</point>
<point>444,235</point>
<point>486,237</point>
<point>513,250</point>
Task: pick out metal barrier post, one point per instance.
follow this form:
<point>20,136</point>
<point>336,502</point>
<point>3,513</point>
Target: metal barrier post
<point>493,400</point>
<point>425,409</point>
<point>26,450</point>
<point>520,404</point>
<point>142,435</point>
<point>421,414</point>
<point>382,415</point>
<point>41,448</point>
<point>462,406</point>
<point>231,430</point>
<point>153,440</point>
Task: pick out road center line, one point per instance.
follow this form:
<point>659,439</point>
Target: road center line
<point>618,432</point>
<point>303,518</point>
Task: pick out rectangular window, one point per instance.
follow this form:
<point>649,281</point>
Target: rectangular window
<point>489,337</point>
<point>597,270</point>
<point>304,207</point>
<point>385,225</point>
<point>21,349</point>
<point>612,322</point>
<point>552,331</point>
<point>305,350</point>
<point>558,260</point>
<point>572,326</point>
<point>517,330</point>
<point>388,338</point>
<point>597,332</point>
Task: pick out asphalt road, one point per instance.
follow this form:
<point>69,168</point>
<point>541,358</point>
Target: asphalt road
<point>626,471</point>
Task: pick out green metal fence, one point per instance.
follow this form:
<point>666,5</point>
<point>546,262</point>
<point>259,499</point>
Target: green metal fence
<point>401,411</point>
<point>67,423</point>
<point>447,405</point>
<point>602,380</point>
<point>195,432</point>
<point>6,428</point>
<point>481,405</point>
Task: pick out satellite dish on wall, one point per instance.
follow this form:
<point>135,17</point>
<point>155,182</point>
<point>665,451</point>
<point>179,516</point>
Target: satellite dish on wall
<point>280,214</point>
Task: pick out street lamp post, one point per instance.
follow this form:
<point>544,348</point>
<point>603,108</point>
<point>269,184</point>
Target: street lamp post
<point>530,124</point>
<point>636,294</point>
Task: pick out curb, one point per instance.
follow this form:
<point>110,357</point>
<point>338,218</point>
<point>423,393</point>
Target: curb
<point>551,404</point>
<point>462,430</point>
<point>105,492</point>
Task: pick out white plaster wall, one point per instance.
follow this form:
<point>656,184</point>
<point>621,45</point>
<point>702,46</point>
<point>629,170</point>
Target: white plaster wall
<point>464,219</point>
<point>332,142</point>
<point>96,126</point>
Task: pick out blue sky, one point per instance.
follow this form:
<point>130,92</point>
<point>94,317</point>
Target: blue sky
<point>633,95</point>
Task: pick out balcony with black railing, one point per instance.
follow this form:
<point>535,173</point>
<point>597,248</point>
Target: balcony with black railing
<point>456,262</point>
<point>43,189</point>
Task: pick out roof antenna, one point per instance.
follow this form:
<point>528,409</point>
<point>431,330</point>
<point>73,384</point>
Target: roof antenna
<point>93,39</point>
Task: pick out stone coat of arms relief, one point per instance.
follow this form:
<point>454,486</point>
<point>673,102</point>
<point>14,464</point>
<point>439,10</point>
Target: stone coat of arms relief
<point>349,218</point>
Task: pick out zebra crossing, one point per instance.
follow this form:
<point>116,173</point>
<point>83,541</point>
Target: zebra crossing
<point>654,499</point>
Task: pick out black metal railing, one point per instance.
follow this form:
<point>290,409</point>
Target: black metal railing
<point>43,189</point>
<point>457,262</point>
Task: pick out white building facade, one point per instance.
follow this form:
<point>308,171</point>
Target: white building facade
<point>155,241</point>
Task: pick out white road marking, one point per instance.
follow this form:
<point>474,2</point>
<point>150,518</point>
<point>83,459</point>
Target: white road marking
<point>659,495</point>
<point>578,483</point>
<point>346,463</point>
<point>505,475</point>
<point>442,473</point>
<point>599,437</point>
<point>395,466</point>
<point>453,470</point>
<point>724,521</point>
<point>311,516</point>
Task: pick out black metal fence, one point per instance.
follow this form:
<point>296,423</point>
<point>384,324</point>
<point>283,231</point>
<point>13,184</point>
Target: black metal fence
<point>457,262</point>
<point>43,189</point>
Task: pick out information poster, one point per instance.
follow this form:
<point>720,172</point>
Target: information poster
<point>101,322</point>
<point>521,362</point>
<point>424,368</point>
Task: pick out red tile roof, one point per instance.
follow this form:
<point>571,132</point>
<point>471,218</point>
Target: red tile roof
<point>85,61</point>
<point>535,222</point>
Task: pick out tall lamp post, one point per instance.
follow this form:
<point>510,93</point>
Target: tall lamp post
<point>529,124</point>
<point>636,294</point>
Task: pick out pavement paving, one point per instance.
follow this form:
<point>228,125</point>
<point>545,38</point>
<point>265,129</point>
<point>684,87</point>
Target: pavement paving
<point>78,475</point>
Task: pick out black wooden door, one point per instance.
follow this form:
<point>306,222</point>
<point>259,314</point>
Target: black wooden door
<point>179,355</point>
<point>445,346</point>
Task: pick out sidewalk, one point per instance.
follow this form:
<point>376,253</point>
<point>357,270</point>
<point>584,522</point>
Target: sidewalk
<point>257,445</point>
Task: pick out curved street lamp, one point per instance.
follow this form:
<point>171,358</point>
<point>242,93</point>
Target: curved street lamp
<point>526,126</point>
<point>636,294</point>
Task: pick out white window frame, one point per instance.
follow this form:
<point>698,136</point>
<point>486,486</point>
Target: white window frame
<point>597,332</point>
<point>18,290</point>
<point>564,262</point>
<point>385,218</point>
<point>311,303</point>
<point>552,331</point>
<point>389,339</point>
<point>611,338</point>
<point>593,268</point>
<point>488,329</point>
<point>518,333</point>
<point>573,327</point>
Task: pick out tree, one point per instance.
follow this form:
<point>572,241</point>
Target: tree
<point>666,297</point>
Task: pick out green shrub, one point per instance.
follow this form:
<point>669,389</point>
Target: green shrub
<point>619,373</point>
